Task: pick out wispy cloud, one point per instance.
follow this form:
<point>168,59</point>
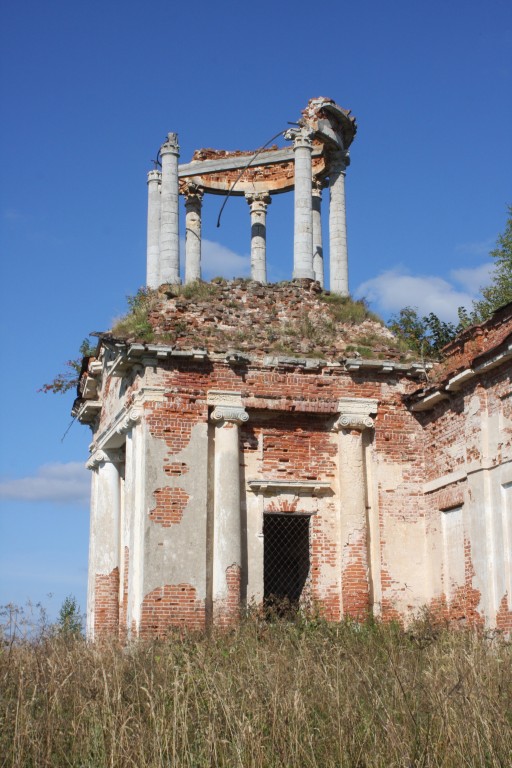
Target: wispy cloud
<point>219,261</point>
<point>478,248</point>
<point>472,279</point>
<point>396,288</point>
<point>59,483</point>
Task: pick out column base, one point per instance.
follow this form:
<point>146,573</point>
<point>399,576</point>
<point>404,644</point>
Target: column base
<point>303,274</point>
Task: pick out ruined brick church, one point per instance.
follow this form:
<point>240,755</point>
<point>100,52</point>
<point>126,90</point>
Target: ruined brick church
<point>252,444</point>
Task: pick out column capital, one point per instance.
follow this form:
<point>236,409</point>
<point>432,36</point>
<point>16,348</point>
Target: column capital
<point>228,406</point>
<point>355,413</point>
<point>301,136</point>
<point>104,457</point>
<point>155,176</point>
<point>132,418</point>
<point>229,413</point>
<point>170,145</point>
<point>339,161</point>
<point>317,185</point>
<point>192,193</point>
<point>258,201</point>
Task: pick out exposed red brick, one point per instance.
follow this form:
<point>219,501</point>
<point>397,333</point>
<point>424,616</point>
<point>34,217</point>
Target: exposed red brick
<point>174,605</point>
<point>504,616</point>
<point>227,611</point>
<point>106,605</point>
<point>123,605</point>
<point>170,505</point>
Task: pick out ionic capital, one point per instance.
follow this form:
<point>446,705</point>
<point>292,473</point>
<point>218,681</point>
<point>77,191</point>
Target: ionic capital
<point>103,457</point>
<point>228,406</point>
<point>95,460</point>
<point>355,413</point>
<point>133,417</point>
<point>230,413</point>
<point>170,146</point>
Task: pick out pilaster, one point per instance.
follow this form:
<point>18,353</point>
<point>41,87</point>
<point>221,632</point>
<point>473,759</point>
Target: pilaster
<point>227,415</point>
<point>354,420</point>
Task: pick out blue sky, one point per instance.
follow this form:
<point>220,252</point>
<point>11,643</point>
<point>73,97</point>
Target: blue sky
<point>89,91</point>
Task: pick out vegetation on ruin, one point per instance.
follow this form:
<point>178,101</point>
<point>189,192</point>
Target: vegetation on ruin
<point>68,379</point>
<point>312,330</point>
<point>265,695</point>
<point>136,323</point>
<point>306,336</point>
<point>499,292</point>
<point>345,309</point>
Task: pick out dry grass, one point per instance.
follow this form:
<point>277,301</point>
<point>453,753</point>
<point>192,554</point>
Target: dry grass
<point>266,695</point>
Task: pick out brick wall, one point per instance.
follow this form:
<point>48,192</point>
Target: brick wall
<point>106,607</point>
<point>289,437</point>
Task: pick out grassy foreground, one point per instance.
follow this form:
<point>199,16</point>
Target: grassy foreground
<point>267,694</point>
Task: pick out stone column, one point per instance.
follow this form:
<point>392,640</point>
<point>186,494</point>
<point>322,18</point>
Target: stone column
<point>193,202</point>
<point>258,203</point>
<point>355,567</point>
<point>134,510</point>
<point>153,237</point>
<point>227,416</point>
<point>318,250</point>
<point>169,213</point>
<point>338,226</point>
<point>303,220</point>
<point>103,575</point>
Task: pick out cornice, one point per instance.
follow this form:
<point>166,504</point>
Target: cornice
<point>295,487</point>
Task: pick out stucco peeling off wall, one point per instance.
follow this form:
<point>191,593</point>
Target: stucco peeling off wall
<point>175,526</point>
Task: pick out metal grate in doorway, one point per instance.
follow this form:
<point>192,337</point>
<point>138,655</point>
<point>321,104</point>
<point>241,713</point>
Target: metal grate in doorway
<point>286,560</point>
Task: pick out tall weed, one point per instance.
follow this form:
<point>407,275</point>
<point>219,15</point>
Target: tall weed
<point>265,695</point>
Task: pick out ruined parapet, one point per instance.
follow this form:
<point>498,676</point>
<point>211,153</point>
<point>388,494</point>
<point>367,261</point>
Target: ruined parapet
<point>318,158</point>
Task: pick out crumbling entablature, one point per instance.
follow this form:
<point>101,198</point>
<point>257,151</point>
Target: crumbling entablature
<point>474,353</point>
<point>318,157</point>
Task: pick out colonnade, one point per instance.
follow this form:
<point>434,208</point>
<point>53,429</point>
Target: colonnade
<point>163,256</point>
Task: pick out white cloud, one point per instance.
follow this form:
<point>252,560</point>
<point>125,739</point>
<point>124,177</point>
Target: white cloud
<point>395,289</point>
<point>60,483</point>
<point>219,261</point>
<point>473,278</point>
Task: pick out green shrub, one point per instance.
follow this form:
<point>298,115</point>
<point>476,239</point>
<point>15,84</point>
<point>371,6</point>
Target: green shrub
<point>344,309</point>
<point>136,324</point>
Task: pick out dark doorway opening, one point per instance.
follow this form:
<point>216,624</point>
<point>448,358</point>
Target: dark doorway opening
<point>286,561</point>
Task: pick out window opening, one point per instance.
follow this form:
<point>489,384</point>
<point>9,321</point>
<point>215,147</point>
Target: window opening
<point>286,561</point>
